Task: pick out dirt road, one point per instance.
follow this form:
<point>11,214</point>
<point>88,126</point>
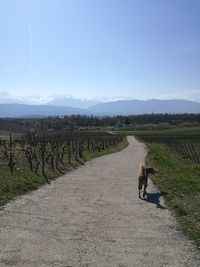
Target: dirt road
<point>92,217</point>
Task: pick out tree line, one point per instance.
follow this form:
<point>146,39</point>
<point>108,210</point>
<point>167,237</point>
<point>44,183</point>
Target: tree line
<point>73,121</point>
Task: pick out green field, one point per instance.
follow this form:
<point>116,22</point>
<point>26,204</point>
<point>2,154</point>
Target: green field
<point>171,131</point>
<point>178,176</point>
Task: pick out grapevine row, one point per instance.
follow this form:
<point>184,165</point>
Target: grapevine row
<point>187,146</point>
<point>42,153</point>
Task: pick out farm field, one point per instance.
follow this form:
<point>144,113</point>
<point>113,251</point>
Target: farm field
<point>176,156</point>
<point>171,131</point>
<point>30,160</point>
<point>93,217</point>
<point>185,142</point>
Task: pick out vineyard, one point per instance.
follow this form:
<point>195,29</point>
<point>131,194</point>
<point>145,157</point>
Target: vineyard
<point>41,153</point>
<point>29,160</point>
<point>186,145</point>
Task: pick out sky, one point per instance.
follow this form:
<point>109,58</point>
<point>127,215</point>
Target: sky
<point>139,49</point>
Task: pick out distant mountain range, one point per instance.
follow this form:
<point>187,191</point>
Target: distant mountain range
<point>55,100</point>
<point>71,102</point>
<point>20,110</point>
<point>129,107</point>
<point>123,107</point>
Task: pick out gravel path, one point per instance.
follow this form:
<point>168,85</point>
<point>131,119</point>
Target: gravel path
<point>93,217</point>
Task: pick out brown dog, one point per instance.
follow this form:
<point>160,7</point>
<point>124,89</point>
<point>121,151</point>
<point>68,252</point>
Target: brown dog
<point>143,179</point>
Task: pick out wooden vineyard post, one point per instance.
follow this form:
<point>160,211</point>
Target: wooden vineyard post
<point>11,154</point>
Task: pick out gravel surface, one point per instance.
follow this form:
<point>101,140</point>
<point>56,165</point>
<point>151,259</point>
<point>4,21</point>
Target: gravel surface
<point>93,217</point>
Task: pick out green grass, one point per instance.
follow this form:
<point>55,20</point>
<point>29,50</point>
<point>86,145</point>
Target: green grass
<point>23,181</point>
<point>13,185</point>
<point>109,150</point>
<point>181,182</point>
<point>172,131</point>
<point>177,177</point>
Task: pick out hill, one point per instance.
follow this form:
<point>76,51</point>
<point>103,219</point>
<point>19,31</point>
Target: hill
<point>20,110</point>
<point>134,107</point>
<point>122,107</point>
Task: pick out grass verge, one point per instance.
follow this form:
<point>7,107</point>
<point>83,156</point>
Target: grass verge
<point>23,181</point>
<point>180,180</point>
<point>113,149</point>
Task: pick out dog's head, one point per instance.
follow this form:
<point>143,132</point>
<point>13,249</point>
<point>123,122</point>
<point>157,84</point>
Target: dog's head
<point>151,170</point>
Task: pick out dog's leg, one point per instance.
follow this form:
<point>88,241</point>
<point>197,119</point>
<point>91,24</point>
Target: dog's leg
<point>145,191</point>
<point>139,186</point>
<point>145,184</point>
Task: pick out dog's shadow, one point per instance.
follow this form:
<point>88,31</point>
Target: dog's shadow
<point>155,199</point>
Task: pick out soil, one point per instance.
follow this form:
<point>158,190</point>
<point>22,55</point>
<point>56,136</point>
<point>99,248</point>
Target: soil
<point>92,217</point>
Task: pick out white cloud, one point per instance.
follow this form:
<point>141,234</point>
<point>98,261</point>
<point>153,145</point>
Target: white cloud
<point>6,97</point>
<point>193,95</point>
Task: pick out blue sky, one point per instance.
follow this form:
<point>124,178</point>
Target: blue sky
<point>100,48</point>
